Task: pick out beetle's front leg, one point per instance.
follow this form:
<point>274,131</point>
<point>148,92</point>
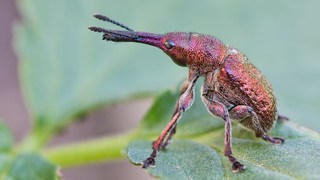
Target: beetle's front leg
<point>219,110</point>
<point>184,103</point>
<point>183,88</point>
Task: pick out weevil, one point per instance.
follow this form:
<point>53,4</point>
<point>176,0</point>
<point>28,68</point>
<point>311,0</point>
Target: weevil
<point>233,88</point>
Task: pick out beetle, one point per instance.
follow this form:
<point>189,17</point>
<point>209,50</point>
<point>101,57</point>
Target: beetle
<point>233,88</point>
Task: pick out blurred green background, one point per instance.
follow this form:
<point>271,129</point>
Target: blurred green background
<point>66,70</point>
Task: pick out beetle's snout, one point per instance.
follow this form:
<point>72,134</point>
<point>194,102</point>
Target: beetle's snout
<point>129,36</point>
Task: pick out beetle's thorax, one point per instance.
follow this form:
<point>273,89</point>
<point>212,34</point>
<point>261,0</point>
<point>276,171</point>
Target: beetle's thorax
<point>205,53</point>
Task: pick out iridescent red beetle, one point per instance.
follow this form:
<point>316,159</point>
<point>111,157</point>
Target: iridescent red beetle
<point>233,87</point>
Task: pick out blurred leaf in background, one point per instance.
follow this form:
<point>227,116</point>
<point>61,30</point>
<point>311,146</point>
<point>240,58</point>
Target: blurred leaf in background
<point>25,166</point>
<point>67,70</point>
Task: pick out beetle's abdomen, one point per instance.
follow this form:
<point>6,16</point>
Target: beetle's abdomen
<point>245,81</point>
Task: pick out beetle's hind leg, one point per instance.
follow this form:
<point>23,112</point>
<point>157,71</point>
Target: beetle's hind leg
<point>248,118</point>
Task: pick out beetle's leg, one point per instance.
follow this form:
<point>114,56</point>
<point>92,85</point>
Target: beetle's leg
<point>185,101</point>
<point>174,130</point>
<point>169,139</point>
<point>183,88</point>
<point>282,118</point>
<point>239,113</point>
<point>150,161</point>
<point>218,109</point>
<point>248,118</point>
<point>273,140</point>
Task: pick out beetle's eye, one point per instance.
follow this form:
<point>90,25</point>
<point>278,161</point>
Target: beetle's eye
<point>169,44</point>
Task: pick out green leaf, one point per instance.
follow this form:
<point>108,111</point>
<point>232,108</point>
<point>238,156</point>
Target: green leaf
<point>184,160</point>
<point>23,166</point>
<point>32,166</point>
<point>298,157</point>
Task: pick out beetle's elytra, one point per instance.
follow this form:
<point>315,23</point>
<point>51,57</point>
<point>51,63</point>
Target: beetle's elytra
<point>233,87</point>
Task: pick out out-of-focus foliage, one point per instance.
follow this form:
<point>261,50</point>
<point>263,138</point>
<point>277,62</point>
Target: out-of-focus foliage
<point>67,70</point>
<point>24,166</point>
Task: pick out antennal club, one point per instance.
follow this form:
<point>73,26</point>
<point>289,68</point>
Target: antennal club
<point>104,18</point>
<point>97,29</point>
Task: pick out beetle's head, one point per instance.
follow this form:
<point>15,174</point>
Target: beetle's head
<point>175,45</point>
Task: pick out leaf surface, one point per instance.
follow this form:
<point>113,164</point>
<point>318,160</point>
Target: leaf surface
<point>197,149</point>
<point>184,160</point>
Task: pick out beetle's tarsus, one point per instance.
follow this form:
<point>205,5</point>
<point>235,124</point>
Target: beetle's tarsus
<point>282,118</point>
<point>279,139</point>
<point>236,165</point>
<point>274,140</point>
<point>149,162</point>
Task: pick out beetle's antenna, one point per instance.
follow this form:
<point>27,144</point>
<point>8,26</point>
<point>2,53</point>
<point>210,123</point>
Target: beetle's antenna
<point>97,29</point>
<point>104,18</point>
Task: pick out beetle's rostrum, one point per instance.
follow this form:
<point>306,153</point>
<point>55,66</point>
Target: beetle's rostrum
<point>233,88</point>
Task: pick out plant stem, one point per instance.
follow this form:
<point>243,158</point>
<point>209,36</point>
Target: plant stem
<point>105,149</point>
<point>35,140</point>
